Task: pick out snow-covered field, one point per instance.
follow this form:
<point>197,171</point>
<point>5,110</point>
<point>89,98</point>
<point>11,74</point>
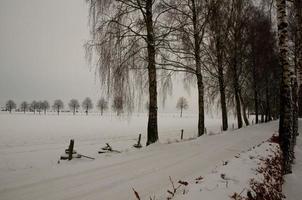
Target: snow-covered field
<point>30,146</point>
<point>37,141</point>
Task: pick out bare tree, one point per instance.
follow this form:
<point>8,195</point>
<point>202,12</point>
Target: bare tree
<point>182,104</point>
<point>74,105</point>
<point>236,44</point>
<point>117,105</point>
<point>39,106</point>
<point>10,104</point>
<point>218,31</point>
<point>183,51</point>
<point>125,38</point>
<point>87,105</point>
<point>45,106</point>
<point>24,106</point>
<point>58,105</point>
<point>102,105</point>
<point>33,106</point>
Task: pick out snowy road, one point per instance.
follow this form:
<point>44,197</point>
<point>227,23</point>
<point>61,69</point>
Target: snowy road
<point>147,170</point>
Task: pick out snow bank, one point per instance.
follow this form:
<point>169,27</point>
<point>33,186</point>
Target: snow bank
<point>293,184</point>
<point>240,178</point>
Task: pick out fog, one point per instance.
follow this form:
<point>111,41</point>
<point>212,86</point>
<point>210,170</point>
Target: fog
<point>42,55</point>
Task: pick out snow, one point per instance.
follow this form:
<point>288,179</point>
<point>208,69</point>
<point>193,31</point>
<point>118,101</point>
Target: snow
<point>31,145</point>
<point>232,177</point>
<point>293,182</point>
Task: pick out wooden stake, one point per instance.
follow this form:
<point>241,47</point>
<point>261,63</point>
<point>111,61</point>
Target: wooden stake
<point>138,145</point>
<point>182,134</point>
<point>71,145</point>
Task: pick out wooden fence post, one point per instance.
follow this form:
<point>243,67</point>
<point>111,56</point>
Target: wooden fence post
<point>70,149</point>
<point>182,134</point>
<point>139,140</point>
<point>138,145</point>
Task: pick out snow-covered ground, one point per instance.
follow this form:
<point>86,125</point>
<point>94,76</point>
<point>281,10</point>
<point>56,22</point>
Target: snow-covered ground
<point>293,182</point>
<point>233,177</point>
<point>31,145</point>
<point>37,141</point>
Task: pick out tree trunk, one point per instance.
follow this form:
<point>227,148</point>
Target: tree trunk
<point>152,120</point>
<point>286,110</point>
<point>262,113</point>
<point>267,107</point>
<point>246,121</point>
<point>300,100</point>
<point>237,91</point>
<point>298,44</point>
<point>295,114</point>
<point>221,86</point>
<point>200,87</point>
<point>255,92</point>
<point>201,127</point>
<point>181,112</point>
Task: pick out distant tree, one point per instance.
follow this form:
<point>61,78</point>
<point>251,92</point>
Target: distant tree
<point>102,105</point>
<point>33,106</point>
<point>44,106</point>
<point>10,104</point>
<point>87,105</point>
<point>74,105</point>
<point>39,106</point>
<point>58,105</point>
<point>117,105</point>
<point>182,104</point>
<point>24,106</point>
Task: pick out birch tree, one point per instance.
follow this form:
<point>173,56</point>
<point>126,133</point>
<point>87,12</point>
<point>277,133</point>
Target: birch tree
<point>125,37</point>
<point>238,17</point>
<point>286,99</point>
<point>298,47</point>
<point>183,51</point>
<point>218,31</point>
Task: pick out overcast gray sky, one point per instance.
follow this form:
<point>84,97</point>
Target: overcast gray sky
<point>42,54</point>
